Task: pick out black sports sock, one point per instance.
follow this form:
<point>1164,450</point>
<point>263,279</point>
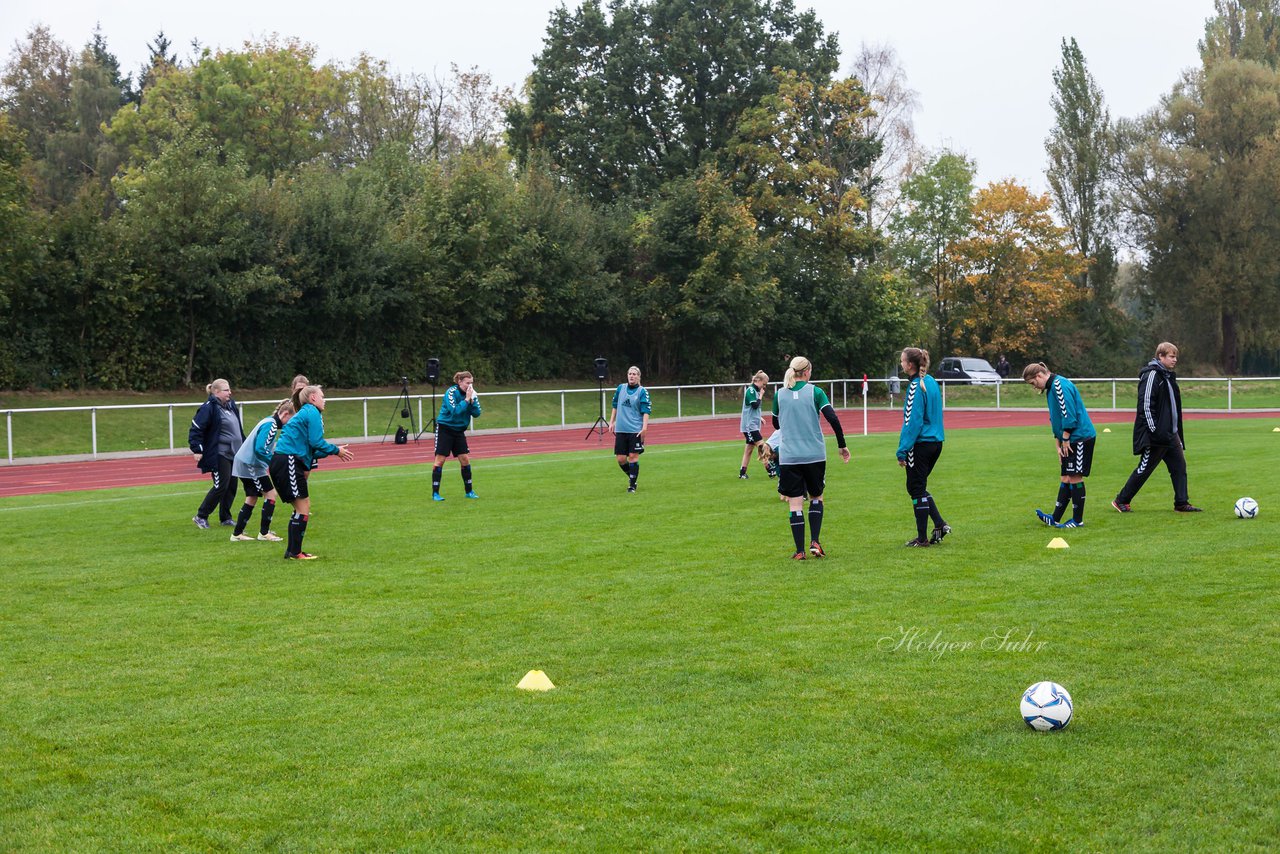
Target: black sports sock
<point>242,519</point>
<point>742,470</point>
<point>302,532</point>
<point>634,472</point>
<point>466,477</point>
<point>626,468</point>
<point>436,472</point>
<point>922,518</point>
<point>1064,497</point>
<point>815,520</point>
<point>268,510</point>
<point>797,529</point>
<point>1077,502</point>
<point>294,546</point>
<point>934,513</point>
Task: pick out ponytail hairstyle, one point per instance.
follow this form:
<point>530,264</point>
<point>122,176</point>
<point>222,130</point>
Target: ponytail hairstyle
<point>799,365</point>
<point>300,381</point>
<point>460,376</point>
<point>760,376</point>
<point>918,359</point>
<point>285,407</point>
<point>303,396</point>
<point>1034,369</point>
<point>216,385</point>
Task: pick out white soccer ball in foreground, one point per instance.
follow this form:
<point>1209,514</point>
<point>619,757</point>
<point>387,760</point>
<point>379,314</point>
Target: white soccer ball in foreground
<point>1046,706</point>
<point>1246,508</point>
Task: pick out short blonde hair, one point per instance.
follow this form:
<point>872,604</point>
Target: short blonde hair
<point>1166,349</point>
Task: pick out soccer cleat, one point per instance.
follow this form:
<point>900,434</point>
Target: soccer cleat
<point>1044,517</point>
<point>742,475</point>
<point>1123,508</point>
<point>917,543</point>
<point>202,524</point>
<point>1186,508</point>
<point>241,538</point>
<point>798,556</point>
<point>815,549</point>
<point>631,488</point>
<point>938,534</point>
<point>301,556</point>
<point>435,496</point>
<point>230,523</point>
<point>270,537</point>
<point>1071,523</point>
<point>472,494</point>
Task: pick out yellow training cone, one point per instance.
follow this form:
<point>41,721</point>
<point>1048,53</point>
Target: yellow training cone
<point>1275,429</point>
<point>535,680</point>
<point>1106,429</point>
<point>1057,543</point>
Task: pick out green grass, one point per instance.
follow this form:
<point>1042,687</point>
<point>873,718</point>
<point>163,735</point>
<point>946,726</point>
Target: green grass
<point>162,688</point>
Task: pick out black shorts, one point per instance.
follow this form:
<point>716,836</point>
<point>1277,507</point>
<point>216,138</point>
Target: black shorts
<point>753,438</point>
<point>289,475</point>
<point>1079,458</point>
<point>256,487</point>
<point>802,479</point>
<point>450,442</point>
<point>920,462</point>
<point>626,444</point>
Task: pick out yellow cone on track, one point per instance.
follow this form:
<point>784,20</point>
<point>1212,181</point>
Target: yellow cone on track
<point>535,680</point>
<point>1057,543</point>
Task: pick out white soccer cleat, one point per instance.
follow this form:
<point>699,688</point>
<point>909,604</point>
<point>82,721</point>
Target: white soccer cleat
<point>241,538</point>
<point>270,537</point>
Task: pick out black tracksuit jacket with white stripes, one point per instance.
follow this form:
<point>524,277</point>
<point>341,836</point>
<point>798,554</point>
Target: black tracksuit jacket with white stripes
<point>1159,417</point>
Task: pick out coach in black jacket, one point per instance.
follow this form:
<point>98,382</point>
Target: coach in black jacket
<point>214,438</point>
<point>1157,431</point>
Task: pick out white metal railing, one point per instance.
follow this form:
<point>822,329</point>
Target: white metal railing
<point>892,387</point>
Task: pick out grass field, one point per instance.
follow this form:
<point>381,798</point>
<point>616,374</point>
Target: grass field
<point>163,689</point>
<point>52,433</point>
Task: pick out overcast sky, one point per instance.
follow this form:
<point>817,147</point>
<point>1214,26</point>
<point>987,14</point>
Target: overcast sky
<point>982,68</point>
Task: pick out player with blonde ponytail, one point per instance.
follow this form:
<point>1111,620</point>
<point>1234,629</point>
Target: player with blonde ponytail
<point>802,456</point>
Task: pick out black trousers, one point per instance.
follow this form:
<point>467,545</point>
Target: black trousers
<point>1174,460</point>
<point>921,459</point>
<point>222,493</point>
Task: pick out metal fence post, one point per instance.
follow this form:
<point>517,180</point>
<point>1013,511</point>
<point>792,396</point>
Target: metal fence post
<point>93,422</point>
<point>944,393</point>
<point>1113,394</point>
<point>517,410</point>
<point>679,414</point>
<point>1228,394</point>
<point>171,426</point>
<point>365,406</point>
<point>713,401</point>
<point>8,419</point>
<point>999,383</point>
<point>561,409</point>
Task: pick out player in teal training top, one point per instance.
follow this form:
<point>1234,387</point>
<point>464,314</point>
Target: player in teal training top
<point>802,457</point>
<point>920,444</point>
<point>628,421</point>
<point>459,405</point>
<point>1075,436</point>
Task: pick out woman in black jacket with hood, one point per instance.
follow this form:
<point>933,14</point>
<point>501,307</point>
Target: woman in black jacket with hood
<point>215,435</point>
<point>1157,431</point>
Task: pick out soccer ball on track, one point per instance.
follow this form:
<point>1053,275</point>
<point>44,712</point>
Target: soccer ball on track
<point>1246,508</point>
<point>1046,706</point>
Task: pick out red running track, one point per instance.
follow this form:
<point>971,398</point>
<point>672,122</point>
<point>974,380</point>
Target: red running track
<point>33,479</point>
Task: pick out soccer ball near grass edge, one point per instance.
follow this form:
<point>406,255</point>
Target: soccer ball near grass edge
<point>1046,706</point>
<point>1246,508</point>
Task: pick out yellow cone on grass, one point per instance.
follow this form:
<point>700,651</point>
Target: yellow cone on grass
<point>1057,543</point>
<point>535,680</point>
<point>1275,429</point>
<point>1106,429</point>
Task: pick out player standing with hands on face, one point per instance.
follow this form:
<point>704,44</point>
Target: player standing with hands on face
<point>628,421</point>
<point>802,457</point>
<point>300,445</point>
<point>920,444</point>
<point>459,405</point>
<point>1075,436</point>
<point>749,424</point>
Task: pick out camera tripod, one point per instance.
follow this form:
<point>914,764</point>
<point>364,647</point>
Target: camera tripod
<point>429,426</point>
<point>403,408</point>
<point>600,424</point>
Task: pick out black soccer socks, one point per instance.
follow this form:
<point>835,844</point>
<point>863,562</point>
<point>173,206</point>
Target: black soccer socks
<point>436,472</point>
<point>1064,498</point>
<point>268,510</point>
<point>242,519</point>
<point>815,520</point>
<point>797,529</point>
<point>1077,502</point>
